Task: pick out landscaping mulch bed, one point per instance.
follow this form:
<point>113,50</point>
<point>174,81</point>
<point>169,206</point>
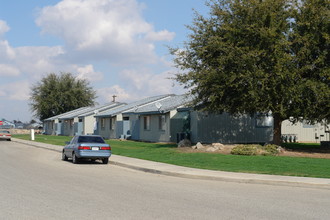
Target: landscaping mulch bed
<point>313,152</point>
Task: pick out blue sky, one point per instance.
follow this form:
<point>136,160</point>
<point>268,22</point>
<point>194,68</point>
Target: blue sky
<point>119,46</point>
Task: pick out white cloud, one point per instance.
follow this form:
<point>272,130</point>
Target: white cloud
<point>37,61</point>
<point>7,70</point>
<point>31,61</point>
<point>87,72</point>
<point>3,27</point>
<point>107,93</point>
<point>164,35</point>
<point>148,82</point>
<point>6,52</point>
<point>15,91</point>
<point>139,84</point>
<point>109,30</point>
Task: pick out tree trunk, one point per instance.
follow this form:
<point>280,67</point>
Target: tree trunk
<point>277,133</point>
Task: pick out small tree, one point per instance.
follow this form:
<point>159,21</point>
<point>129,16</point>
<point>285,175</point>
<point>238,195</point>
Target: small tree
<point>241,60</point>
<point>57,94</point>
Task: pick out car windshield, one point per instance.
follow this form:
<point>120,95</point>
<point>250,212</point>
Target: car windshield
<point>90,139</point>
<point>5,132</point>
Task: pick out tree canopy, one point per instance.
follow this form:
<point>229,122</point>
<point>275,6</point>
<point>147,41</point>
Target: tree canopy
<point>57,94</point>
<point>259,56</point>
<point>310,40</point>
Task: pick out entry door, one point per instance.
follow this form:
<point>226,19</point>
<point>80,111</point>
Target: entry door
<point>80,128</point>
<point>59,129</point>
<point>126,128</point>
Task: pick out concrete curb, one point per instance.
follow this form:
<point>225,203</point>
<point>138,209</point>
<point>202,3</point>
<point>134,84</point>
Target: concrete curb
<point>193,173</point>
<point>236,177</point>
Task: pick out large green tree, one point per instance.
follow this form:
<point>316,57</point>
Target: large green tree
<point>57,94</point>
<point>242,59</point>
<point>310,40</point>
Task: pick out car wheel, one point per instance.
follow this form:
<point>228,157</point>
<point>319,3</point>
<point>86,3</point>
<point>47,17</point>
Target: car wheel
<point>64,157</point>
<point>105,160</point>
<point>8,139</point>
<point>75,159</point>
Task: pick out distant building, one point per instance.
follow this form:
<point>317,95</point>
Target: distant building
<point>304,132</point>
<point>121,123</point>
<point>4,124</point>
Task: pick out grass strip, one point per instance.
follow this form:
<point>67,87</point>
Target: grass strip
<point>168,153</point>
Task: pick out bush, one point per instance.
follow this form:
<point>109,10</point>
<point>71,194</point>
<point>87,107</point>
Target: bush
<point>270,149</point>
<point>255,149</point>
<point>245,150</point>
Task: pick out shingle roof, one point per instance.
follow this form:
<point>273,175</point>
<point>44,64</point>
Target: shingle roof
<point>163,106</point>
<point>133,105</point>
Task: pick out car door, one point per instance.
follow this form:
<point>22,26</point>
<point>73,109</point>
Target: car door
<point>71,145</point>
<point>67,150</point>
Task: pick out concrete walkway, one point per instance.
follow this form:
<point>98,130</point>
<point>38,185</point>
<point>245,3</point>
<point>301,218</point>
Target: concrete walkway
<point>186,172</point>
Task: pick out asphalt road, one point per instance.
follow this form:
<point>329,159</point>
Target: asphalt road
<point>36,184</point>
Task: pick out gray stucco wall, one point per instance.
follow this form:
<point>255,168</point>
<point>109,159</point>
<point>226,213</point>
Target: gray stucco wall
<point>49,127</point>
<point>68,128</point>
<point>154,134</point>
<point>210,128</point>
<point>106,132</point>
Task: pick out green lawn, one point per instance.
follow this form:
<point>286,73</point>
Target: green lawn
<point>168,153</point>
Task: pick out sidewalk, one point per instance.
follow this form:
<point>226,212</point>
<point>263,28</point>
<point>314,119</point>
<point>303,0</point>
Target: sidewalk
<point>186,172</point>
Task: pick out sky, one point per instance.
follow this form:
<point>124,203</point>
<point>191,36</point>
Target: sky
<point>119,46</point>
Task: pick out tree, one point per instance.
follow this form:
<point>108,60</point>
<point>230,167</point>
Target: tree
<point>311,46</point>
<point>57,94</point>
<point>241,60</point>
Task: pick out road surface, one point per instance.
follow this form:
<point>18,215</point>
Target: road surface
<point>36,184</point>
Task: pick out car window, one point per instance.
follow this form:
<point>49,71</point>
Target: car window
<point>90,139</point>
<point>5,132</point>
<point>73,140</point>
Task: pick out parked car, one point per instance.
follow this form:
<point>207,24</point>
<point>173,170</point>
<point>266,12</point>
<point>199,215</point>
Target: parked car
<point>5,135</point>
<point>91,147</point>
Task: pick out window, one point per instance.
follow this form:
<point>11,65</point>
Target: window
<point>80,120</point>
<point>90,139</point>
<point>263,120</point>
<point>146,122</point>
<point>112,123</point>
<point>103,123</point>
<point>162,122</point>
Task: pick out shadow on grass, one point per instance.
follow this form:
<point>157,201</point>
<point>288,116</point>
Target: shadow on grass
<point>306,148</point>
<point>164,145</point>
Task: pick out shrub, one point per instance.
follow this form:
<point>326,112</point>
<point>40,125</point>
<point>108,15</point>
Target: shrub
<point>245,150</point>
<point>255,149</point>
<point>270,149</point>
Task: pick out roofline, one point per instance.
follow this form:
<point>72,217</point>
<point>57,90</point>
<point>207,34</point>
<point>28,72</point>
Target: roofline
<point>131,108</point>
